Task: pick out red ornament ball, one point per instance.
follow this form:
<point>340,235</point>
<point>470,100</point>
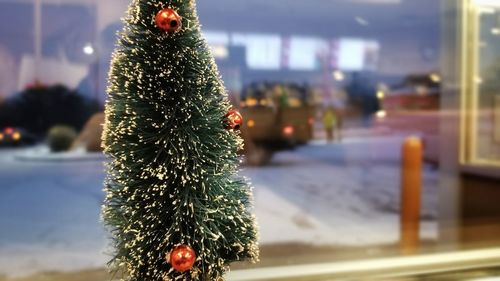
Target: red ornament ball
<point>233,120</point>
<point>182,258</point>
<point>168,20</point>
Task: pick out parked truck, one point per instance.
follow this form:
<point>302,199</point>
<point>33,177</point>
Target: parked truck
<point>276,118</point>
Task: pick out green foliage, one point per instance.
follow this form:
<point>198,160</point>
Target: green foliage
<point>173,169</point>
<point>40,108</point>
<point>60,138</point>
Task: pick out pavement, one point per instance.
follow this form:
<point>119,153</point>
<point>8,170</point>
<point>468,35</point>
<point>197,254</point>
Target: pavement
<point>332,194</point>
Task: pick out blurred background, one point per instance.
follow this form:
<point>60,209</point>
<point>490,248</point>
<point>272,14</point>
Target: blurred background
<point>372,127</point>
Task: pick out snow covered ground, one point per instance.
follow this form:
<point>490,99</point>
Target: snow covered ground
<point>343,194</point>
<point>337,194</point>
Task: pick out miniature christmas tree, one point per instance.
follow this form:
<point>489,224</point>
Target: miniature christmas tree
<point>175,204</point>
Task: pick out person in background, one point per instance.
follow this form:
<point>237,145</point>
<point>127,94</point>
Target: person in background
<point>331,124</point>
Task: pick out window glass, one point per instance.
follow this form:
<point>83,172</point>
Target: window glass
<point>371,128</point>
<point>486,88</point>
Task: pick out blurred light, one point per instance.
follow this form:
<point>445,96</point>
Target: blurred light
<point>357,54</point>
<point>263,102</point>
<point>380,94</point>
<point>9,131</point>
<point>16,136</point>
<point>487,279</point>
<point>491,3</point>
<point>250,123</point>
<point>251,102</point>
<point>1,137</point>
<point>88,49</point>
<point>219,51</point>
<point>435,77</point>
<point>361,21</point>
<point>217,37</point>
<point>263,51</point>
<point>381,114</point>
<point>478,80</point>
<point>422,90</point>
<point>486,10</point>
<point>495,31</point>
<point>288,130</point>
<point>338,75</point>
<point>301,52</point>
<point>311,120</point>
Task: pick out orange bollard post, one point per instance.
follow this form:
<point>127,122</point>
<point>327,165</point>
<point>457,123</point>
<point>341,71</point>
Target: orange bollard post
<point>411,186</point>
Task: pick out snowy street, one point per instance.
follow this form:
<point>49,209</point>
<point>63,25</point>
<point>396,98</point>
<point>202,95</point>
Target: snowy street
<point>337,194</point>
